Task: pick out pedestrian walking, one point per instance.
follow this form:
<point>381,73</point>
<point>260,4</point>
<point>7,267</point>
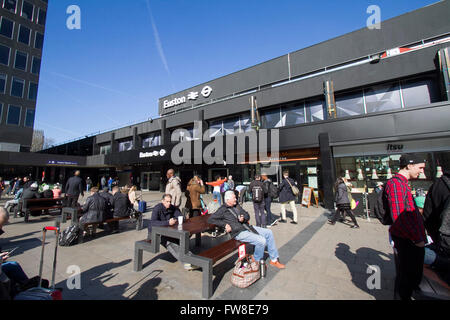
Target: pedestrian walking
<point>287,197</point>
<point>342,203</point>
<point>173,187</point>
<point>257,188</point>
<point>74,187</point>
<point>268,197</point>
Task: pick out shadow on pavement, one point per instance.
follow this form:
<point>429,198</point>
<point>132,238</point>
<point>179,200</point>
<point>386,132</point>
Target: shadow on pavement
<point>358,264</point>
<point>147,290</point>
<point>93,284</point>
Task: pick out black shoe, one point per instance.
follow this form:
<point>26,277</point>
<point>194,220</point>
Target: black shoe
<point>115,231</point>
<point>293,222</point>
<point>331,222</point>
<point>355,226</point>
<point>282,221</point>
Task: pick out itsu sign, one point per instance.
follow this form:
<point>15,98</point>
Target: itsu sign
<point>193,95</point>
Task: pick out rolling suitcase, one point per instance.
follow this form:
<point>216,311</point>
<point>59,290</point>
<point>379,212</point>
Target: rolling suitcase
<point>142,206</point>
<point>40,293</point>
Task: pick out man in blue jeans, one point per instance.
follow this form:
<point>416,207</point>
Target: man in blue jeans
<point>234,219</point>
<point>12,269</point>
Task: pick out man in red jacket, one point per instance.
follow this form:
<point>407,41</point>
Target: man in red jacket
<point>407,230</point>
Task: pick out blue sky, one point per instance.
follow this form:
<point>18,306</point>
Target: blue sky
<point>130,53</point>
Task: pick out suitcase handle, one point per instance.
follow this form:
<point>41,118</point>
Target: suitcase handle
<point>50,228</point>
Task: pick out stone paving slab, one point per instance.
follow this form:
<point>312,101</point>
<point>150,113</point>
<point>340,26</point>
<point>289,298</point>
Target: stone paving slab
<point>323,261</point>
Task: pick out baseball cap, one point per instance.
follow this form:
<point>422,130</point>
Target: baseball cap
<point>420,201</point>
<point>34,185</point>
<point>409,158</point>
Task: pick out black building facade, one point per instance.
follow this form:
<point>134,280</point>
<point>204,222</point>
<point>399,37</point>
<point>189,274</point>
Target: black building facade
<point>349,106</point>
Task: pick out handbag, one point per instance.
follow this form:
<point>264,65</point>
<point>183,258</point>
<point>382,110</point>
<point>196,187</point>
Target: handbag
<point>294,189</point>
<point>245,272</point>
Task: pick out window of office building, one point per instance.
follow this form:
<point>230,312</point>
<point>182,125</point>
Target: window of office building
<point>36,66</point>
<point>42,16</point>
<point>4,55</point>
<point>13,115</point>
<point>126,145</point>
<point>29,118</point>
<point>215,128</point>
<point>271,118</point>
<point>315,111</point>
<point>6,27</point>
<point>419,92</point>
<point>17,87</point>
<point>10,5</point>
<point>350,104</point>
<point>293,115</point>
<point>24,35</point>
<point>21,60</point>
<point>106,149</point>
<point>383,97</point>
<point>2,83</point>
<point>231,125</point>
<point>153,140</point>
<point>245,123</point>
<point>33,91</point>
<point>39,41</point>
<point>27,10</point>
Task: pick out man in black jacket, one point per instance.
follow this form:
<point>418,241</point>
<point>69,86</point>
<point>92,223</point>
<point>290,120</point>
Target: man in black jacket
<point>234,219</point>
<point>271,221</point>
<point>165,214</point>
<point>31,192</point>
<point>258,189</point>
<point>109,199</point>
<point>74,187</point>
<point>93,209</point>
<point>121,205</point>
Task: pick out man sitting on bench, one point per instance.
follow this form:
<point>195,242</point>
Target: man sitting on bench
<point>166,214</point>
<point>93,209</point>
<point>121,205</point>
<point>235,220</point>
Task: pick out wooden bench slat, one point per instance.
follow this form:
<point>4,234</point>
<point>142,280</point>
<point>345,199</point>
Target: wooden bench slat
<point>217,252</point>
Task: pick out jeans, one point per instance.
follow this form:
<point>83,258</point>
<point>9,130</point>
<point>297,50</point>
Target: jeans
<point>260,216</point>
<point>260,241</point>
<point>10,203</point>
<point>293,208</point>
<point>14,271</point>
<point>216,195</point>
<point>267,205</point>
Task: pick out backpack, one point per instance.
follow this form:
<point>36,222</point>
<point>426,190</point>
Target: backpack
<point>273,191</point>
<point>226,186</point>
<point>257,194</point>
<point>382,209</point>
<point>69,236</point>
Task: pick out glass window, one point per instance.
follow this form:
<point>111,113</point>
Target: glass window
<point>6,27</point>
<point>13,115</point>
<point>419,92</point>
<point>27,10</point>
<point>1,112</point>
<point>351,104</point>
<point>24,35</point>
<point>39,41</point>
<point>245,123</point>
<point>105,149</point>
<point>10,5</point>
<point>293,115</point>
<point>42,16</point>
<point>4,55</point>
<point>2,83</point>
<point>33,91</point>
<point>36,66</point>
<point>231,125</point>
<point>21,60</point>
<point>215,128</point>
<point>29,118</point>
<point>17,87</point>
<point>271,119</point>
<point>315,111</point>
<point>126,145</point>
<point>153,140</point>
<point>383,97</point>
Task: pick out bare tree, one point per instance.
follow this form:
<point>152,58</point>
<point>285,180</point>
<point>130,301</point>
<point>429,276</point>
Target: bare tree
<point>38,141</point>
<point>48,142</point>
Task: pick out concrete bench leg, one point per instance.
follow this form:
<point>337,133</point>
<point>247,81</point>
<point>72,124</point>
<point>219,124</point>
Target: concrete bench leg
<point>138,253</point>
<point>207,283</point>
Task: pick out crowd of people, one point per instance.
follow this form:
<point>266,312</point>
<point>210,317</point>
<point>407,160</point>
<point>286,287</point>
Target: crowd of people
<point>419,227</point>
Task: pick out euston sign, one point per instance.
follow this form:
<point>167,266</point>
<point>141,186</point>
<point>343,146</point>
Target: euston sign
<point>193,95</point>
<point>155,153</point>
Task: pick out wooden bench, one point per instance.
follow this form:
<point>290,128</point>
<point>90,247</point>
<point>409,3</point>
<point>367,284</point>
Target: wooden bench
<point>432,286</point>
<point>32,205</point>
<point>139,225</point>
<point>205,260</point>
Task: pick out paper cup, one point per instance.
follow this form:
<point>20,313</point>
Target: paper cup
<point>180,220</point>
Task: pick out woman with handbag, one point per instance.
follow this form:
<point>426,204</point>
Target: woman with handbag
<point>288,193</point>
<point>342,203</point>
<point>194,189</point>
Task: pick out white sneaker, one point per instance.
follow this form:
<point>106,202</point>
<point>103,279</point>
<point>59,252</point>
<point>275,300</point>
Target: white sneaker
<point>190,267</point>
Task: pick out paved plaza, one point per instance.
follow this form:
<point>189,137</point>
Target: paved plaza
<point>322,261</point>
